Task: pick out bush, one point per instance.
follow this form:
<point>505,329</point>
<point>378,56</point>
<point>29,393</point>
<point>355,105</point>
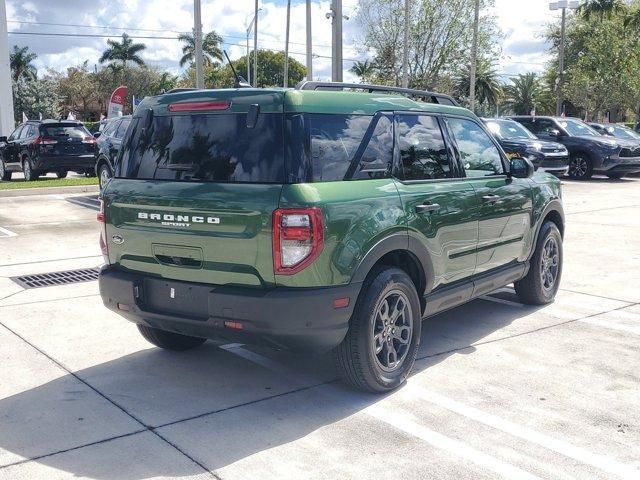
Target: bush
<point>92,126</point>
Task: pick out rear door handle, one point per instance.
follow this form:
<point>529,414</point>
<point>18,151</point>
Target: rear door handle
<point>491,199</point>
<point>427,208</point>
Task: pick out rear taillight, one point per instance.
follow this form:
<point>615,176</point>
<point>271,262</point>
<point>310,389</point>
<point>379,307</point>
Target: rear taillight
<point>102,218</point>
<point>298,238</point>
<point>45,141</point>
<point>90,140</point>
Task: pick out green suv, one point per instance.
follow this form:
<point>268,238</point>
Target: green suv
<point>316,219</point>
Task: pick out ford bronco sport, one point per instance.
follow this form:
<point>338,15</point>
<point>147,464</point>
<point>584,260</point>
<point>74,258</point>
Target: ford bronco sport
<point>316,220</point>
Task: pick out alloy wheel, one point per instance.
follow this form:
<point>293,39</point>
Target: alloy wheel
<point>392,331</point>
<point>578,167</point>
<point>104,177</point>
<point>26,169</point>
<point>2,172</point>
<point>549,263</point>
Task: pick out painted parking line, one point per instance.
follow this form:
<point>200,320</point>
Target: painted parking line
<point>7,233</point>
<point>613,326</point>
<point>87,202</point>
<point>460,449</point>
<point>602,462</point>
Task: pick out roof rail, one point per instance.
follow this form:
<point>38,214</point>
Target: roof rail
<point>181,89</point>
<point>430,97</point>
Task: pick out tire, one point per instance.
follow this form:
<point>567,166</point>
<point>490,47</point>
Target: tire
<point>580,166</point>
<point>615,176</point>
<point>104,174</point>
<point>356,358</point>
<point>169,340</point>
<point>62,174</point>
<point>4,175</point>
<point>532,289</point>
<point>27,169</point>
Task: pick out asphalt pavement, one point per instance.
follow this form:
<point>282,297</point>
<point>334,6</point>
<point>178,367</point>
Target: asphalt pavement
<point>500,389</point>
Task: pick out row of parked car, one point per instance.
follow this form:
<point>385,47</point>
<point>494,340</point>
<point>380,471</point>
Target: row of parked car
<point>557,145</point>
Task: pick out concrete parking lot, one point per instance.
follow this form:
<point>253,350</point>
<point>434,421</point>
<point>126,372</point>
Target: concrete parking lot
<point>500,390</point>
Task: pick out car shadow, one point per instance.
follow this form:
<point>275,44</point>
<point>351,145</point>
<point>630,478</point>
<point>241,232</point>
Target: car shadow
<point>600,179</point>
<point>222,433</point>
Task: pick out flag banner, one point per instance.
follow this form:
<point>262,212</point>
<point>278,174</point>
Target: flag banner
<point>24,117</point>
<point>116,104</point>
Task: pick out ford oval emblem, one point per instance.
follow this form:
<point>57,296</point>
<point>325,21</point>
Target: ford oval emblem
<point>117,239</point>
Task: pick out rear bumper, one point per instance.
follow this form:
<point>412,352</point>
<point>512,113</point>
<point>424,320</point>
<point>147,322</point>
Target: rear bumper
<point>298,319</point>
<point>53,163</point>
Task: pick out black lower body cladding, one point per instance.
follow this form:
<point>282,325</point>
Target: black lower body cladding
<point>297,319</point>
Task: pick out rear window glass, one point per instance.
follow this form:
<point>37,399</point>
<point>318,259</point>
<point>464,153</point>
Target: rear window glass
<point>205,148</point>
<point>73,131</point>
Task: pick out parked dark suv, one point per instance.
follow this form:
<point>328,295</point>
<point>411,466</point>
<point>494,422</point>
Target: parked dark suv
<point>616,131</point>
<point>319,220</point>
<point>109,141</point>
<point>517,141</point>
<point>589,151</point>
<point>47,146</point>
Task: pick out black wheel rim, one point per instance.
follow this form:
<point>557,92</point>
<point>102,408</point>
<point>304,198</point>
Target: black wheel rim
<point>392,331</point>
<point>578,167</point>
<point>549,264</point>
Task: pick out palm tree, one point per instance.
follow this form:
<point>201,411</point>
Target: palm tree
<point>125,51</point>
<point>166,82</point>
<point>488,87</point>
<point>364,70</point>
<point>601,8</point>
<point>20,60</point>
<point>524,94</point>
<point>210,48</point>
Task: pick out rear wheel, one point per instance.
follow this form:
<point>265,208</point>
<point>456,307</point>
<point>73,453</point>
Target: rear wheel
<point>30,174</point>
<point>384,333</point>
<point>541,284</point>
<point>104,175</point>
<point>62,174</point>
<point>4,174</point>
<point>169,340</point>
<point>580,166</point>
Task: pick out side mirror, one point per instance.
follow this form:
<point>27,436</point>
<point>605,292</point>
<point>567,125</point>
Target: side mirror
<point>97,134</point>
<point>3,139</point>
<point>521,168</point>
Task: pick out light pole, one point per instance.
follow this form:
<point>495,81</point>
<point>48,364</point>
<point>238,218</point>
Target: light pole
<point>249,28</point>
<point>286,47</point>
<point>562,5</point>
<point>7,121</point>
<point>309,44</point>
<point>474,58</point>
<point>255,45</point>
<point>197,33</point>
<point>336,40</point>
<point>405,47</point>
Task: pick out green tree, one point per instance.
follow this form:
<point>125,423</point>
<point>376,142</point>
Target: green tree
<point>35,97</point>
<point>78,89</point>
<point>488,87</point>
<point>524,94</point>
<point>364,70</point>
<point>439,38</point>
<point>210,48</point>
<point>20,61</point>
<point>124,51</point>
<point>601,8</point>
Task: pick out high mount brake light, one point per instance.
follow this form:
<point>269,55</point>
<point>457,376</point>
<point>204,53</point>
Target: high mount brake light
<point>298,238</point>
<point>45,141</point>
<point>199,106</point>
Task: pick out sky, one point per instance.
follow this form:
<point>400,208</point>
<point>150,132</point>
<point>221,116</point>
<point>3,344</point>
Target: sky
<point>522,23</point>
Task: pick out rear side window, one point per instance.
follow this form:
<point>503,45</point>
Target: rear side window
<point>205,148</point>
<point>423,153</point>
<point>122,128</point>
<point>66,131</point>
<point>350,147</point>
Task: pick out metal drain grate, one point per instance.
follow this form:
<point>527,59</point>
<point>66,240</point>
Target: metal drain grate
<point>57,278</point>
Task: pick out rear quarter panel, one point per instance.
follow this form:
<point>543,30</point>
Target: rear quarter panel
<point>357,215</point>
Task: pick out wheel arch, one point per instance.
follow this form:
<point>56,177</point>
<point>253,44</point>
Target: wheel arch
<point>553,212</point>
<point>102,160</point>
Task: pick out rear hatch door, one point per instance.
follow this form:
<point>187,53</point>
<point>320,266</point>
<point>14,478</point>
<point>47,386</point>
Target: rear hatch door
<point>195,189</point>
<point>62,140</point>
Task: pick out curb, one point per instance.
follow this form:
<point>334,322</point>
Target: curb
<point>21,192</point>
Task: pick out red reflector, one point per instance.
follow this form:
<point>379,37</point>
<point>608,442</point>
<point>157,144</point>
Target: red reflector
<point>341,302</point>
<point>234,325</point>
<point>100,215</point>
<point>124,307</point>
<point>296,233</point>
<point>199,106</point>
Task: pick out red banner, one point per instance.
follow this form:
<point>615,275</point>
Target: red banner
<point>116,104</point>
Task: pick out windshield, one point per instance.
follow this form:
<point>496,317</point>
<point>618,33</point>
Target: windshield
<point>619,131</point>
<point>507,129</point>
<point>577,128</point>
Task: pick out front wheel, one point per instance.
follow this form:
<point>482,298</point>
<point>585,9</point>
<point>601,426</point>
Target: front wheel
<point>580,167</point>
<point>169,340</point>
<point>4,174</point>
<point>541,284</point>
<point>384,333</point>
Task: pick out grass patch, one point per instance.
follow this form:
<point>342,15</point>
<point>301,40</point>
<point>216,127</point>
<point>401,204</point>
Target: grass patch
<point>48,182</point>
